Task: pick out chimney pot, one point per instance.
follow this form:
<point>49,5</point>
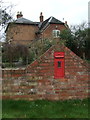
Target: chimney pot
<point>19,14</point>
<point>66,22</point>
<point>41,17</point>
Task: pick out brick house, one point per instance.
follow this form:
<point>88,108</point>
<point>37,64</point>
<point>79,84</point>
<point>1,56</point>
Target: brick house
<point>52,76</point>
<point>24,31</point>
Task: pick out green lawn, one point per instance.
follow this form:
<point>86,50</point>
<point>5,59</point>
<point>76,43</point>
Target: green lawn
<point>45,109</point>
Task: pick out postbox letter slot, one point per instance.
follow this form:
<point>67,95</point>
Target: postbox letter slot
<point>59,64</point>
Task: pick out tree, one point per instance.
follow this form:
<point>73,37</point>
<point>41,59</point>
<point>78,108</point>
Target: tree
<point>12,53</point>
<point>87,50</point>
<point>5,13</point>
<point>5,18</point>
<point>76,38</point>
<point>68,38</point>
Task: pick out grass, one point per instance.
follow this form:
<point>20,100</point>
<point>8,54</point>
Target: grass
<point>45,109</point>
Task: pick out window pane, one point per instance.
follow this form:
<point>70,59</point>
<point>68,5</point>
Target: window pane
<point>56,33</point>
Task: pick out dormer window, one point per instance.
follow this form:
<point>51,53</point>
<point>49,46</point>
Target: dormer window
<point>56,33</point>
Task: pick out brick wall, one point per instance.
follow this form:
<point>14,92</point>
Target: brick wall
<point>20,33</point>
<point>39,82</point>
<point>24,34</point>
<point>47,33</point>
<point>7,73</point>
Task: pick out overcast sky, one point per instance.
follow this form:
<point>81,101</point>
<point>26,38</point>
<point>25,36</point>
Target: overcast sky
<point>73,11</point>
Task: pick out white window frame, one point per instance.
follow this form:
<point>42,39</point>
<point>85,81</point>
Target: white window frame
<point>56,33</point>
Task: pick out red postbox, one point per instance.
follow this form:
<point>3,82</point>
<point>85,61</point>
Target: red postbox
<point>59,64</point>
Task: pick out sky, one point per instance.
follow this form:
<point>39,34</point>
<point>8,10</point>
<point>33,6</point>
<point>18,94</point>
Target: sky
<point>73,11</point>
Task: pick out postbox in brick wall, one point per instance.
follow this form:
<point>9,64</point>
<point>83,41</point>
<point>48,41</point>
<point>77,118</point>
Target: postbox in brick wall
<point>59,65</point>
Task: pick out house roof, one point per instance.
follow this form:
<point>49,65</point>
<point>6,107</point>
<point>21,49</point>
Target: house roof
<point>54,20</point>
<point>48,21</point>
<point>22,20</point>
<point>42,25</point>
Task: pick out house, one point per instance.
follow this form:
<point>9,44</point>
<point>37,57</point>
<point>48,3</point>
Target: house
<point>25,31</point>
<point>58,74</point>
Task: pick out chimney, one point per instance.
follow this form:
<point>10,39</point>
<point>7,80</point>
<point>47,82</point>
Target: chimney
<point>41,17</point>
<point>19,14</point>
<point>65,22</point>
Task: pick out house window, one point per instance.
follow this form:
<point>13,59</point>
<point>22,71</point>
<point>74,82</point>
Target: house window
<point>56,33</point>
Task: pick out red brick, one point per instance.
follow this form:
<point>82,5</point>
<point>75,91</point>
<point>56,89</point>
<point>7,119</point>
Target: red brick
<point>42,71</point>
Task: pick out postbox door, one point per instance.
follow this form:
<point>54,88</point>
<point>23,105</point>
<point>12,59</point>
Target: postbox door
<point>59,66</point>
